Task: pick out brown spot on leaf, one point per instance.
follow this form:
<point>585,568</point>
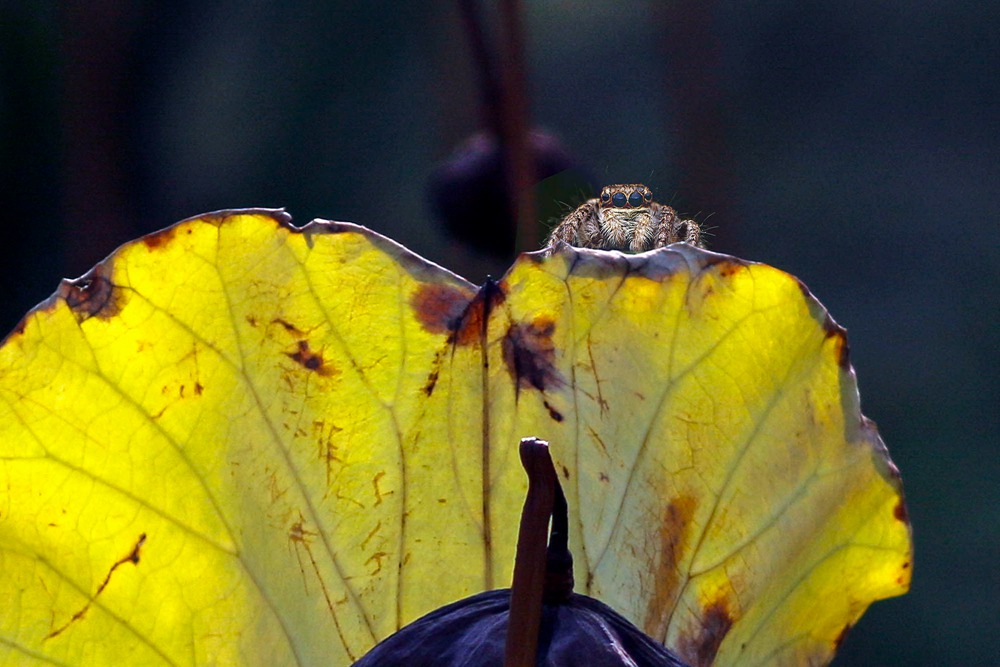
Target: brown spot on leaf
<point>160,238</point>
<point>553,413</point>
<point>604,477</point>
<point>530,354</point>
<point>841,637</point>
<point>471,327</point>
<point>673,534</point>
<point>432,379</point>
<point>830,327</point>
<point>834,330</point>
<point>132,557</point>
<point>596,437</point>
<point>565,472</point>
<point>435,372</point>
<point>376,561</point>
<point>729,269</point>
<point>379,494</point>
<point>374,531</point>
<point>726,265</point>
<point>19,327</point>
<point>439,308</point>
<point>251,320</point>
<point>92,295</point>
<point>299,533</point>
<point>901,513</point>
<point>327,446</point>
<point>844,354</point>
<point>700,649</point>
<point>288,326</point>
<point>310,359</point>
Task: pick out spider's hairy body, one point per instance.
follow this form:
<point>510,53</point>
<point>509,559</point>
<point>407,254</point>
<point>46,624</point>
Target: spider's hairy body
<point>626,218</point>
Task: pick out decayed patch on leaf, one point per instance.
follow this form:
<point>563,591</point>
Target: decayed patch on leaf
<point>93,294</point>
<point>530,355</point>
<point>440,308</point>
<point>701,648</point>
<point>674,540</point>
<point>311,360</point>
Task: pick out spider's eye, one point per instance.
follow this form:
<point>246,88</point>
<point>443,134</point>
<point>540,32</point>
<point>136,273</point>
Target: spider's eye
<point>619,199</point>
<point>605,197</point>
<point>635,199</point>
<point>648,195</point>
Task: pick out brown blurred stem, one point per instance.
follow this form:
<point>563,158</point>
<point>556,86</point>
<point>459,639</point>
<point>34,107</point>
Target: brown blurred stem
<point>527,589</point>
<point>514,126</point>
<point>489,87</point>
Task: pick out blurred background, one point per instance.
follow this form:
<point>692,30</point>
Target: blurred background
<point>853,144</point>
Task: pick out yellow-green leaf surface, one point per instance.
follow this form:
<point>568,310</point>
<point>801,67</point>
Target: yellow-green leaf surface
<point>240,442</point>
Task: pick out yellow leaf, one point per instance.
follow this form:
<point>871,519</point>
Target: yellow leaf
<point>240,442</point>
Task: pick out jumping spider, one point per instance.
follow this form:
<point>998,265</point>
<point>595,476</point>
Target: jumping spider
<point>625,217</point>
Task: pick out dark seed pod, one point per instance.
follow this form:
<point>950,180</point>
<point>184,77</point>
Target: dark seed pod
<point>472,633</point>
<point>468,192</point>
<point>539,621</point>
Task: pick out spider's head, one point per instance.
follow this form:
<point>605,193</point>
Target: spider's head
<point>627,196</point>
<point>624,212</point>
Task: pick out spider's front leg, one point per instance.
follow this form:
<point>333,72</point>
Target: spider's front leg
<point>581,228</point>
<point>689,231</point>
<point>671,229</point>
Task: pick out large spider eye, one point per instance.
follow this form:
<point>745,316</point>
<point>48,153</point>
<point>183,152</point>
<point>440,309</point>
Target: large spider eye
<point>619,199</point>
<point>635,199</point>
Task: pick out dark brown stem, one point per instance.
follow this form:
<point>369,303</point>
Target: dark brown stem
<point>558,559</point>
<point>514,135</point>
<point>530,562</point>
